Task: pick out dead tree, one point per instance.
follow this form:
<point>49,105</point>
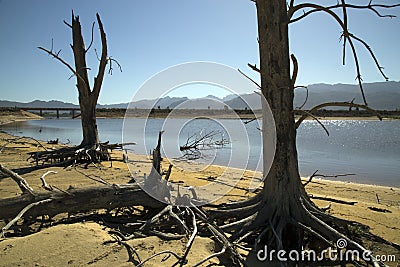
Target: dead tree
<point>87,96</point>
<point>202,141</point>
<point>282,213</point>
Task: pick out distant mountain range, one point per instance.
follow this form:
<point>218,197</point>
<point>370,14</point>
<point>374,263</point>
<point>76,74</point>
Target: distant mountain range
<point>380,95</point>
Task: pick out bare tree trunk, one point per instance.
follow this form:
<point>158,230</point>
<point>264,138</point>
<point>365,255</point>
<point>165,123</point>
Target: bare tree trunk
<point>89,125</point>
<point>282,213</point>
<point>87,97</point>
<point>282,186</point>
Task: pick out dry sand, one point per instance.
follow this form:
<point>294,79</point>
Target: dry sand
<point>10,115</point>
<point>89,243</point>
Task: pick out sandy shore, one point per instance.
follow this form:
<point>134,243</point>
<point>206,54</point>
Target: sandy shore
<point>89,243</point>
<point>8,116</point>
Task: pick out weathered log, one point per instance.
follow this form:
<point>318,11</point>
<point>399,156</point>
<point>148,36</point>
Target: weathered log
<point>340,201</point>
<point>76,200</point>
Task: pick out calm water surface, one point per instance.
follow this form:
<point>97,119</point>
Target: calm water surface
<point>368,149</point>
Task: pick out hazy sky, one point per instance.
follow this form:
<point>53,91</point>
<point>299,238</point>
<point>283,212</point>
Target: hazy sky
<point>147,36</point>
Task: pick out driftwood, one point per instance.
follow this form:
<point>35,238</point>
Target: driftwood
<point>76,200</point>
<point>53,142</point>
<point>22,212</point>
<point>23,185</point>
<point>379,209</point>
<point>68,155</point>
<point>333,200</point>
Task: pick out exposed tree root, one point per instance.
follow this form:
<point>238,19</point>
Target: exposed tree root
<point>67,156</point>
<point>270,231</point>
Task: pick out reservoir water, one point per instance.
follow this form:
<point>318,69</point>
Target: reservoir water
<point>367,149</point>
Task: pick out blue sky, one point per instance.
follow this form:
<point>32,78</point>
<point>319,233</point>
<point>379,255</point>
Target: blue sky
<point>148,36</point>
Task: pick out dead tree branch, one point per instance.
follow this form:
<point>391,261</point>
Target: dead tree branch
<point>336,104</point>
<point>21,182</point>
<point>306,99</point>
<point>308,114</point>
<point>76,200</point>
<point>199,141</point>
<point>19,138</point>
<point>253,67</point>
<point>98,80</point>
<point>216,254</point>
<point>295,70</point>
<point>160,253</point>
<point>315,174</point>
<point>241,72</point>
<point>21,213</point>
<point>333,200</point>
<point>191,239</point>
<point>372,54</point>
<point>44,184</point>
<point>56,56</point>
<point>312,8</point>
<point>111,60</point>
<point>91,40</point>
<point>372,7</point>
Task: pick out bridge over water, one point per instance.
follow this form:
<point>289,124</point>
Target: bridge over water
<point>57,110</point>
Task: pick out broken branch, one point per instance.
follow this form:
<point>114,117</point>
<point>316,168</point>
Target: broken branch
<point>44,184</point>
<point>56,56</point>
<point>22,183</point>
<point>76,200</point>
<point>335,104</point>
<point>333,200</point>
<point>21,213</point>
<point>241,72</point>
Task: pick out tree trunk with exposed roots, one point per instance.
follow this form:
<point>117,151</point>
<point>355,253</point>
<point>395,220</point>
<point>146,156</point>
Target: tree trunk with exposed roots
<point>282,214</point>
<point>87,97</point>
<point>282,185</point>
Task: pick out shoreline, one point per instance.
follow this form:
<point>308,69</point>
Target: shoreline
<point>7,117</point>
<point>83,243</point>
<point>28,116</point>
<point>303,176</point>
<point>389,196</point>
<point>140,157</point>
<point>11,115</point>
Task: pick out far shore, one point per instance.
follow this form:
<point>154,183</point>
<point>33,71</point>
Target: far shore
<point>8,115</point>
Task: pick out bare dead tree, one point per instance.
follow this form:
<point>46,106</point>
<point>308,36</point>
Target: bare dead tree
<point>282,213</point>
<point>87,96</point>
<point>198,142</point>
